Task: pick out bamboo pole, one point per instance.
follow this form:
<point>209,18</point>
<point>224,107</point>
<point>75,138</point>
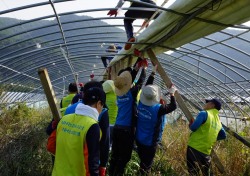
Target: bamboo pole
<point>49,92</point>
<point>180,102</point>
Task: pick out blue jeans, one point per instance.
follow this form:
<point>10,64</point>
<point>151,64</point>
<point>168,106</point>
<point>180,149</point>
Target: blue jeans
<point>140,14</point>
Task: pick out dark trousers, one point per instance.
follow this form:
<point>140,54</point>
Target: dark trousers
<point>146,155</point>
<point>197,161</point>
<point>122,146</point>
<point>111,127</point>
<point>140,14</point>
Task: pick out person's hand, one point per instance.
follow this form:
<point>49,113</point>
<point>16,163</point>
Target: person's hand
<point>143,63</point>
<point>162,101</point>
<point>102,171</point>
<point>137,52</point>
<point>172,89</point>
<point>112,12</point>
<point>155,68</point>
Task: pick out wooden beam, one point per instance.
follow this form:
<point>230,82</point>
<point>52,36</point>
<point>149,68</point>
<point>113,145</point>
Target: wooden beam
<point>49,92</point>
<point>169,83</point>
<point>180,102</point>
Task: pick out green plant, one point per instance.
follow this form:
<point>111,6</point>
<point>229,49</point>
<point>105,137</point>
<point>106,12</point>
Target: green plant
<point>23,149</point>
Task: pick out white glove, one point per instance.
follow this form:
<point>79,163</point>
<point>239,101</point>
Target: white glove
<point>172,89</point>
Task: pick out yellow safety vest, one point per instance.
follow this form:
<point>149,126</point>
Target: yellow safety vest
<point>205,136</point>
<point>66,101</point>
<point>70,142</point>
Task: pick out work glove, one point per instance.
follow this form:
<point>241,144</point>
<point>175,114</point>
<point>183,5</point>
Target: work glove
<point>172,89</point>
<point>112,12</point>
<point>102,171</point>
<point>137,52</point>
<point>143,63</point>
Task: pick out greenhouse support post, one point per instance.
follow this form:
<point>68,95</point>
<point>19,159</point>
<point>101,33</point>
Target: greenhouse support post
<point>49,92</point>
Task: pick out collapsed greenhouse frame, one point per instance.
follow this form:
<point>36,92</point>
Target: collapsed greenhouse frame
<point>215,65</point>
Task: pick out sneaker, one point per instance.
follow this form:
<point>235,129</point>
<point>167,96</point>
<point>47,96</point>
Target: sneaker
<point>128,45</point>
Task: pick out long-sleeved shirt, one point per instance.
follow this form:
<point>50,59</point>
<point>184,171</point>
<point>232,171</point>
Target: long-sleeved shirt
<point>105,139</point>
<point>201,119</point>
<point>92,139</point>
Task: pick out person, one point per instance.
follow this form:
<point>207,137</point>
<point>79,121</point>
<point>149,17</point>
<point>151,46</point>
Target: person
<point>150,117</point>
<point>123,131</point>
<point>77,137</point>
<point>103,121</point>
<point>110,49</point>
<point>206,129</point>
<point>66,101</point>
<point>131,15</point>
<point>109,89</point>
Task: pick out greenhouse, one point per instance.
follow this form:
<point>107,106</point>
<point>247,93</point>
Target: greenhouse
<point>202,47</point>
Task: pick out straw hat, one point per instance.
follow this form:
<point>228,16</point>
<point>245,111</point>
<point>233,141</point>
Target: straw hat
<point>123,83</point>
<point>150,95</point>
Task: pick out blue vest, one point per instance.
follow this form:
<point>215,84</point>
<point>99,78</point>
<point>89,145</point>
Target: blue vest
<point>125,107</point>
<point>72,108</point>
<point>146,124</point>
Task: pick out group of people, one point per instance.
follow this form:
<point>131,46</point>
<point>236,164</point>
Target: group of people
<point>109,111</point>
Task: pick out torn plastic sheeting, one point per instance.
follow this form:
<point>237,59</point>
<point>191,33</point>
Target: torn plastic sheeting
<point>228,12</point>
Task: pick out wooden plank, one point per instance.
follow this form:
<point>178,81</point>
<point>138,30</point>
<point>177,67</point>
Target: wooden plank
<point>49,92</point>
<point>180,102</point>
<point>168,83</point>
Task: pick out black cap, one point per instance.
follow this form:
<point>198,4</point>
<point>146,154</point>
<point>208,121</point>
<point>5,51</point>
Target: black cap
<point>216,102</point>
<point>91,84</point>
<point>93,95</point>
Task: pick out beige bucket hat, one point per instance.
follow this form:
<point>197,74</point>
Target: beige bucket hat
<point>123,83</point>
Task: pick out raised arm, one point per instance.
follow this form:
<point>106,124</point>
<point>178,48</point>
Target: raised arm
<point>151,76</point>
<point>114,12</point>
<point>165,109</point>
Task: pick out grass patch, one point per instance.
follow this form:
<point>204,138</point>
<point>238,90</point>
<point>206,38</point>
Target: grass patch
<point>23,147</point>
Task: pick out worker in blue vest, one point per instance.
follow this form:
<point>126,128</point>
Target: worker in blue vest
<point>123,131</point>
<point>206,130</point>
<point>150,114</point>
